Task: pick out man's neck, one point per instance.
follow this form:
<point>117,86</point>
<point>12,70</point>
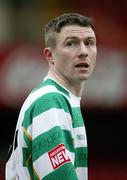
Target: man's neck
<point>76,89</point>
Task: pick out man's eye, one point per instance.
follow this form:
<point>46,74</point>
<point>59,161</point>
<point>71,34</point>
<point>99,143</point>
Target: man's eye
<point>72,43</point>
<point>88,43</point>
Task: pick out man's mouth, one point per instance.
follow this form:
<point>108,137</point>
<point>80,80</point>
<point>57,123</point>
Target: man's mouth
<point>82,65</point>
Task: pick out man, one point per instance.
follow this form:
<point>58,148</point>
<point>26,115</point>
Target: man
<point>50,138</point>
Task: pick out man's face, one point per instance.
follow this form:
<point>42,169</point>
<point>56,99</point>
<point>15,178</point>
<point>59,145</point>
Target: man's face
<point>75,53</point>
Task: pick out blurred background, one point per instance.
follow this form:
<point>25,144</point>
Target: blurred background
<point>104,103</point>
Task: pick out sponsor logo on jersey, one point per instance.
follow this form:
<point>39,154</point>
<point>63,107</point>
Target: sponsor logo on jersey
<point>58,156</point>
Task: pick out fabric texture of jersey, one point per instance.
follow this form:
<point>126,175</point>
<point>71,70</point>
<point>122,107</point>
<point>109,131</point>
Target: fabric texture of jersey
<point>50,138</point>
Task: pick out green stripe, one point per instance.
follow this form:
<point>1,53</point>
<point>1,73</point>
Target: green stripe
<point>50,139</point>
<point>50,82</point>
<point>26,154</point>
<point>81,157</point>
<point>65,172</point>
<point>45,103</point>
<point>28,117</point>
<point>77,117</point>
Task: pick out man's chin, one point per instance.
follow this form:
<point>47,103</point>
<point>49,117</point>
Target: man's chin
<point>84,78</point>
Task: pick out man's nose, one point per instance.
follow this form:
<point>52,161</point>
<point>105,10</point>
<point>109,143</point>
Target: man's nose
<point>83,51</point>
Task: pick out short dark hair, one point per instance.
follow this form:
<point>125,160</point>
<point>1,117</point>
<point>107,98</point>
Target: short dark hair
<point>56,24</point>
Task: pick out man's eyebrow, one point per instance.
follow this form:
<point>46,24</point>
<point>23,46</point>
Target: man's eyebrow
<point>71,37</point>
<point>91,38</point>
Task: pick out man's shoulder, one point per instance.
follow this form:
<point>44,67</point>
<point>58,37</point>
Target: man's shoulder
<point>47,94</point>
<point>52,85</point>
<point>46,97</point>
<point>51,99</point>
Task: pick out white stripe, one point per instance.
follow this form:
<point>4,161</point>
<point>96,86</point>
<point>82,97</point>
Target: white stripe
<point>43,165</point>
<point>74,101</point>
<point>80,137</point>
<point>82,173</point>
<point>46,121</point>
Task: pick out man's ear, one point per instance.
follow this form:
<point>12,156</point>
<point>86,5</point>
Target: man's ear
<point>48,55</point>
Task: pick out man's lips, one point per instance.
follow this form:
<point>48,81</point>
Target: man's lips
<point>82,65</point>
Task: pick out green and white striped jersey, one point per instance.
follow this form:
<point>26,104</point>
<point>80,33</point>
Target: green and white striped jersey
<point>50,138</point>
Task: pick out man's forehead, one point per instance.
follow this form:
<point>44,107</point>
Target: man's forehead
<point>74,29</point>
